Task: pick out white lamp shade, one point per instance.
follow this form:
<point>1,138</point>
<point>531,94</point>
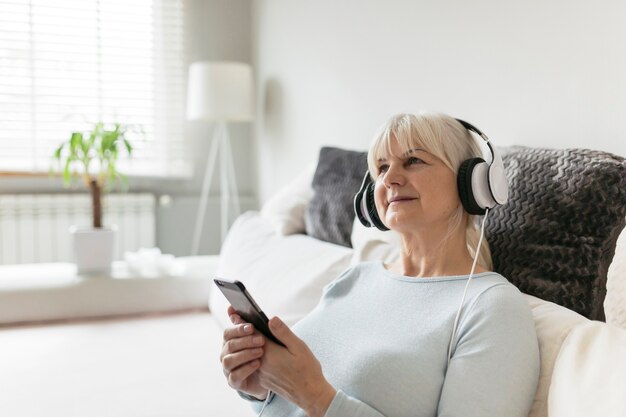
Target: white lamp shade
<point>221,91</point>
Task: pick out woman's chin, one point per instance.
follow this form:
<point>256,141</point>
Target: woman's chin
<point>400,224</point>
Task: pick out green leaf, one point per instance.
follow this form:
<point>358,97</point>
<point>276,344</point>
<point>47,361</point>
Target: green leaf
<point>92,138</point>
<point>129,147</point>
<point>85,145</point>
<point>108,141</point>
<point>66,172</point>
<point>103,143</point>
<point>75,141</point>
<point>57,152</point>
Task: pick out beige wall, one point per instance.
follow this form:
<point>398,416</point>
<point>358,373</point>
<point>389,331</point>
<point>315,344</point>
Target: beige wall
<point>526,72</point>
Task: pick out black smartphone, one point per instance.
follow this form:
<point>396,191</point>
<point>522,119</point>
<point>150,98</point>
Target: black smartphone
<point>238,297</point>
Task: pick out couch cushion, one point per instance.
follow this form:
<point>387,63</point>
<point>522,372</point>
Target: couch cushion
<point>615,301</point>
<point>285,209</point>
<point>284,274</point>
<point>556,236</point>
<point>589,377</point>
<point>553,324</point>
<point>337,179</point>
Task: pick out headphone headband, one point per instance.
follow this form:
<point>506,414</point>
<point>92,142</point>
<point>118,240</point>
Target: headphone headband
<point>476,130</point>
<point>473,128</point>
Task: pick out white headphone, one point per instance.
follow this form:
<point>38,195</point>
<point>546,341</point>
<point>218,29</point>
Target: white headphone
<point>481,185</point>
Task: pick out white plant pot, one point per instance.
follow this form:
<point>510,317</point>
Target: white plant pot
<point>93,249</point>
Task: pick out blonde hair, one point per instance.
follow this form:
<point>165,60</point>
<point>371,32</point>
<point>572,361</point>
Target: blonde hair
<point>444,137</point>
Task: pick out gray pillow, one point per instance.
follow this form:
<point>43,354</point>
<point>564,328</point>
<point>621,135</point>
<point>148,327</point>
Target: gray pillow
<point>329,215</point>
<point>556,236</point>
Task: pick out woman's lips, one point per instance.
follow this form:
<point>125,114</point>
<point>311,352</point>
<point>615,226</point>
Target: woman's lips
<point>398,200</point>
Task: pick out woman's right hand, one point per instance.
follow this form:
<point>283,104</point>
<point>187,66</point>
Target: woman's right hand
<point>241,356</point>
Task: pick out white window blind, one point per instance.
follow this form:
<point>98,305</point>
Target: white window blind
<point>65,64</point>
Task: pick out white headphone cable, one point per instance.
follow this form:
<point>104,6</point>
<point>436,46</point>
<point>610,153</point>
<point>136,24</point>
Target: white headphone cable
<point>266,402</point>
<point>458,313</point>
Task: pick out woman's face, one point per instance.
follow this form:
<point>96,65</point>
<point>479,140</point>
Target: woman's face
<point>414,190</point>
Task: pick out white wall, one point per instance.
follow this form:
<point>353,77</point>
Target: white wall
<point>215,30</point>
<point>537,73</point>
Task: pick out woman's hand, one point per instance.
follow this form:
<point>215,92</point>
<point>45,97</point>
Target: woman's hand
<point>294,373</point>
<point>240,357</point>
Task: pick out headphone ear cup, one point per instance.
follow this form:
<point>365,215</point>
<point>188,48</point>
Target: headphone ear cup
<point>371,208</point>
<point>464,184</point>
<point>361,203</point>
<point>358,205</point>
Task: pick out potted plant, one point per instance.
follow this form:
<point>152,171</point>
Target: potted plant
<point>93,155</point>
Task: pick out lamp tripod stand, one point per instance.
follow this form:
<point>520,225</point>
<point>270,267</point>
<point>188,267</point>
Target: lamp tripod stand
<point>228,184</point>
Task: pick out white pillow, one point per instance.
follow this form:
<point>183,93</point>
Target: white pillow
<point>285,209</point>
<point>615,301</point>
<point>371,244</point>
<point>284,274</point>
<point>589,376</point>
<point>553,323</point>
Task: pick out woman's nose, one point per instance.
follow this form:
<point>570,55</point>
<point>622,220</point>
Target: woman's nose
<point>393,176</point>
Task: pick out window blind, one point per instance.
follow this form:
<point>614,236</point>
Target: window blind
<point>66,64</point>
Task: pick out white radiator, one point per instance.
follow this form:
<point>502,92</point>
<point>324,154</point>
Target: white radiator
<point>35,227</point>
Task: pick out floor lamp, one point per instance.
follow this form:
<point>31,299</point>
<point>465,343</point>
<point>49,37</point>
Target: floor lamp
<point>220,92</point>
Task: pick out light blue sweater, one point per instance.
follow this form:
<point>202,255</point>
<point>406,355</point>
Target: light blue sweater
<point>382,340</point>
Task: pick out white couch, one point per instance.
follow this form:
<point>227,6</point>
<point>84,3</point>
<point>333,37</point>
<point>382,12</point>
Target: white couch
<point>167,364</point>
<point>583,362</point>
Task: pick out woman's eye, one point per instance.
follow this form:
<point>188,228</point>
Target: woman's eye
<point>413,160</point>
<point>382,169</point>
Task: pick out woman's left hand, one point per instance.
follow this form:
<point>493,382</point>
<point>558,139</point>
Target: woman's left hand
<point>294,373</point>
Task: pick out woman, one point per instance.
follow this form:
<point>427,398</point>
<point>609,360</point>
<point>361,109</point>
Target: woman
<point>377,344</point>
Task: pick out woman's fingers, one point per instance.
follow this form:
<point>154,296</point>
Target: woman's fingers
<point>233,361</point>
<point>240,330</point>
<point>241,355</point>
<point>241,343</point>
<point>233,316</point>
<point>285,335</point>
<point>237,377</point>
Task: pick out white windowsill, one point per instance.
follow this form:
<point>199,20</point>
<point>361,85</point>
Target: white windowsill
<point>53,291</point>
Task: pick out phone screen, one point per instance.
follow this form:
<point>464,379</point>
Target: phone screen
<point>236,293</point>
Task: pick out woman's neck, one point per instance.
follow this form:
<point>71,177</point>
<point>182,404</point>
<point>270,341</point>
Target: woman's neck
<point>420,257</point>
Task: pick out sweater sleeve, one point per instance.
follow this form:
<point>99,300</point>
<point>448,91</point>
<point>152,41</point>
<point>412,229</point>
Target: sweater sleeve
<point>344,405</point>
<point>255,403</point>
<point>494,369</point>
